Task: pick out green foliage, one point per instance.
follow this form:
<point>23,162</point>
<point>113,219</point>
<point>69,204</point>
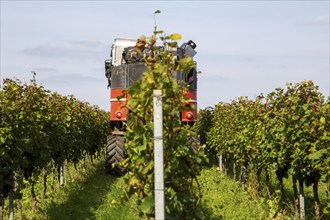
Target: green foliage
<point>237,131</point>
<point>202,127</point>
<point>204,123</point>
<point>38,126</point>
<point>286,131</point>
<point>181,163</point>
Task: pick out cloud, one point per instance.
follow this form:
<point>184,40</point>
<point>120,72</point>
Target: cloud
<point>99,70</point>
<point>320,20</point>
<point>217,78</point>
<point>71,78</point>
<point>70,49</point>
<point>44,69</point>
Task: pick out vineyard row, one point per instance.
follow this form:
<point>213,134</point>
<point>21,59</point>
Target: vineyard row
<point>285,132</point>
<point>38,127</point>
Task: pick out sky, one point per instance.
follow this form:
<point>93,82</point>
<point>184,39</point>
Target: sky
<point>244,48</point>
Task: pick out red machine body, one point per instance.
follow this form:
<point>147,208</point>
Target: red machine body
<point>118,111</point>
<point>190,116</point>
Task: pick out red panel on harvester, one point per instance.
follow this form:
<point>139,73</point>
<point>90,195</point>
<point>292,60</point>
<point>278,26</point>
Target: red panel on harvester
<point>118,110</point>
<point>191,114</point>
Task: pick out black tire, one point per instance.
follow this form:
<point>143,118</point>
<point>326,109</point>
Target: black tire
<point>114,154</point>
<point>194,143</point>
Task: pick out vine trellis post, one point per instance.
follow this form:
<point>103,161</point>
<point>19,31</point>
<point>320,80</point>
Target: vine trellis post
<point>159,156</point>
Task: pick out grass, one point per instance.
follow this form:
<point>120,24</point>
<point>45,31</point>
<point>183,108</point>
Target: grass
<point>92,194</point>
<point>224,198</point>
<point>96,195</point>
<point>309,198</point>
<point>80,200</point>
<point>270,197</point>
<point>100,196</point>
<point>115,206</point>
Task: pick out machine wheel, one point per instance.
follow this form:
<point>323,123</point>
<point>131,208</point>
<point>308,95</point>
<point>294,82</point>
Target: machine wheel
<point>194,143</point>
<point>114,154</point>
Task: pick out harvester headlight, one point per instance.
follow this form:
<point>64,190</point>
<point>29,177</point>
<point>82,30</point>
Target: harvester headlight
<point>189,115</point>
<point>119,114</point>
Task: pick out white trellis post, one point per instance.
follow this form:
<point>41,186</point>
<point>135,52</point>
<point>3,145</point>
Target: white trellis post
<point>220,163</point>
<point>301,200</point>
<point>158,156</point>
